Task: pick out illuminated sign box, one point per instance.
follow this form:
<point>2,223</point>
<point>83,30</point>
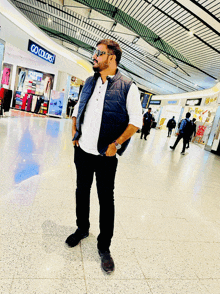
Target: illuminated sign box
<point>193,102</point>
<point>172,101</point>
<point>41,52</point>
<point>155,102</point>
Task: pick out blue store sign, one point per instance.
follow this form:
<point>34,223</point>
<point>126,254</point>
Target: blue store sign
<point>155,102</point>
<point>41,52</point>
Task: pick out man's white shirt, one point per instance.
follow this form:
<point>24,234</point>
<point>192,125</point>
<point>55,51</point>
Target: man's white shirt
<point>93,115</point>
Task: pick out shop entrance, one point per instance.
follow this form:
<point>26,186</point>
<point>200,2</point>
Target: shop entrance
<point>204,116</point>
<point>32,90</point>
<point>75,88</point>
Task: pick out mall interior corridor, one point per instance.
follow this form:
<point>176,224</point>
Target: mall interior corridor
<point>167,226</point>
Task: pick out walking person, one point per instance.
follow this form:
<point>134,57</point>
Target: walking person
<point>171,125</point>
<point>193,131</point>
<point>184,133</point>
<point>107,115</point>
<point>147,122</point>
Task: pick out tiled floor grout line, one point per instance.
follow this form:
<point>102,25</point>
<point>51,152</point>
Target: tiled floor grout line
<point>83,268</point>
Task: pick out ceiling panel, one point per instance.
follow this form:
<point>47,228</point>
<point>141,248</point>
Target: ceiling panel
<point>163,27</point>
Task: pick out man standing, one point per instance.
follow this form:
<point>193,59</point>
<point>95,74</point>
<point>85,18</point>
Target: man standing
<point>147,121</point>
<point>171,125</point>
<point>184,133</point>
<point>107,115</point>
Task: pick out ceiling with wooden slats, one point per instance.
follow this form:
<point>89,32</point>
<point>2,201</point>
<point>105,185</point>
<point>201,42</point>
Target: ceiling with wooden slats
<point>169,46</point>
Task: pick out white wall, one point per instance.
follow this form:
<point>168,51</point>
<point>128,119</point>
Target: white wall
<point>212,92</point>
<point>16,52</point>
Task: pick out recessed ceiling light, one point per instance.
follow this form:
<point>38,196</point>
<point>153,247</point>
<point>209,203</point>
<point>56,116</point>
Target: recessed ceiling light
<point>191,33</point>
<point>77,33</point>
<point>49,20</point>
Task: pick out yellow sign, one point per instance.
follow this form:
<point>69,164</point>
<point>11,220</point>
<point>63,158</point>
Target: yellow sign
<point>210,100</point>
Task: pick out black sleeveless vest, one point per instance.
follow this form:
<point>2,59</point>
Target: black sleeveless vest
<point>114,117</point>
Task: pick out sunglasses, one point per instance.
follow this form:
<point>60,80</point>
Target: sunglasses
<point>100,53</point>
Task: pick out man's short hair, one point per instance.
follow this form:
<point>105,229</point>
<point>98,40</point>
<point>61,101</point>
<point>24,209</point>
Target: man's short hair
<point>113,47</point>
<point>188,114</point>
<point>194,119</point>
<point>149,108</point>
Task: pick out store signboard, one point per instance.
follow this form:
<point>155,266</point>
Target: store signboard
<point>193,102</point>
<point>155,102</point>
<point>173,102</point>
<point>210,100</point>
<point>41,52</point>
<point>56,103</point>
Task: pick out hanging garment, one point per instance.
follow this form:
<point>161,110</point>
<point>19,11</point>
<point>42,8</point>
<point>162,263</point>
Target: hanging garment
<point>47,87</point>
<point>24,102</point>
<point>6,76</point>
<point>38,104</point>
<point>34,101</point>
<point>2,90</point>
<point>1,107</point>
<point>22,77</point>
<point>29,101</point>
<point>7,100</point>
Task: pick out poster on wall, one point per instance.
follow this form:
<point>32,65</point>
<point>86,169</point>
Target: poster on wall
<point>74,93</point>
<point>200,132</point>
<point>56,103</point>
<point>6,76</point>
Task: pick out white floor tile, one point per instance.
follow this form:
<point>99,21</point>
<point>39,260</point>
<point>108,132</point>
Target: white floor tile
<point>100,286</point>
<point>49,286</point>
<point>178,287</point>
<point>46,257</point>
<point>167,223</point>
<point>5,285</point>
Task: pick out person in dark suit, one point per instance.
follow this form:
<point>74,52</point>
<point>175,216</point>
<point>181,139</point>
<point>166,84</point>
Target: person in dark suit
<point>147,122</point>
<point>171,125</point>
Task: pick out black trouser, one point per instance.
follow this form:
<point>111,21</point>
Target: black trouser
<point>169,132</point>
<point>105,169</point>
<point>185,141</point>
<point>145,131</point>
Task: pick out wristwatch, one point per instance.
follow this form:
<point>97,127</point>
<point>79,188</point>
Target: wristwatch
<point>117,145</point>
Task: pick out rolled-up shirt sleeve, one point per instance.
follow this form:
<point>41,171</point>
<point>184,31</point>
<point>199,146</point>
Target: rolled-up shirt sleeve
<point>134,107</point>
<point>75,110</point>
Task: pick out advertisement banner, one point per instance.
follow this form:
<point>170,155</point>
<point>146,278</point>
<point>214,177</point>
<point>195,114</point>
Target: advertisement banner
<point>146,100</point>
<point>200,132</point>
<point>56,103</point>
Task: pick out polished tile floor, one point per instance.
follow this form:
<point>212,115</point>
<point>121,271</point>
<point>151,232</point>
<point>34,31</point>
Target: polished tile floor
<point>167,228</point>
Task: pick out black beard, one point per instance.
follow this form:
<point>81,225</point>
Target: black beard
<point>96,69</point>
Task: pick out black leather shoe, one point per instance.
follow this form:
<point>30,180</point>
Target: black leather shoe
<point>107,262</point>
<point>75,238</point>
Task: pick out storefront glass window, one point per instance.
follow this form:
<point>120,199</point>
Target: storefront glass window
<point>2,47</point>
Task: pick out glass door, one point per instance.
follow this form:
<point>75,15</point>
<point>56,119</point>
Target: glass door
<point>2,49</point>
